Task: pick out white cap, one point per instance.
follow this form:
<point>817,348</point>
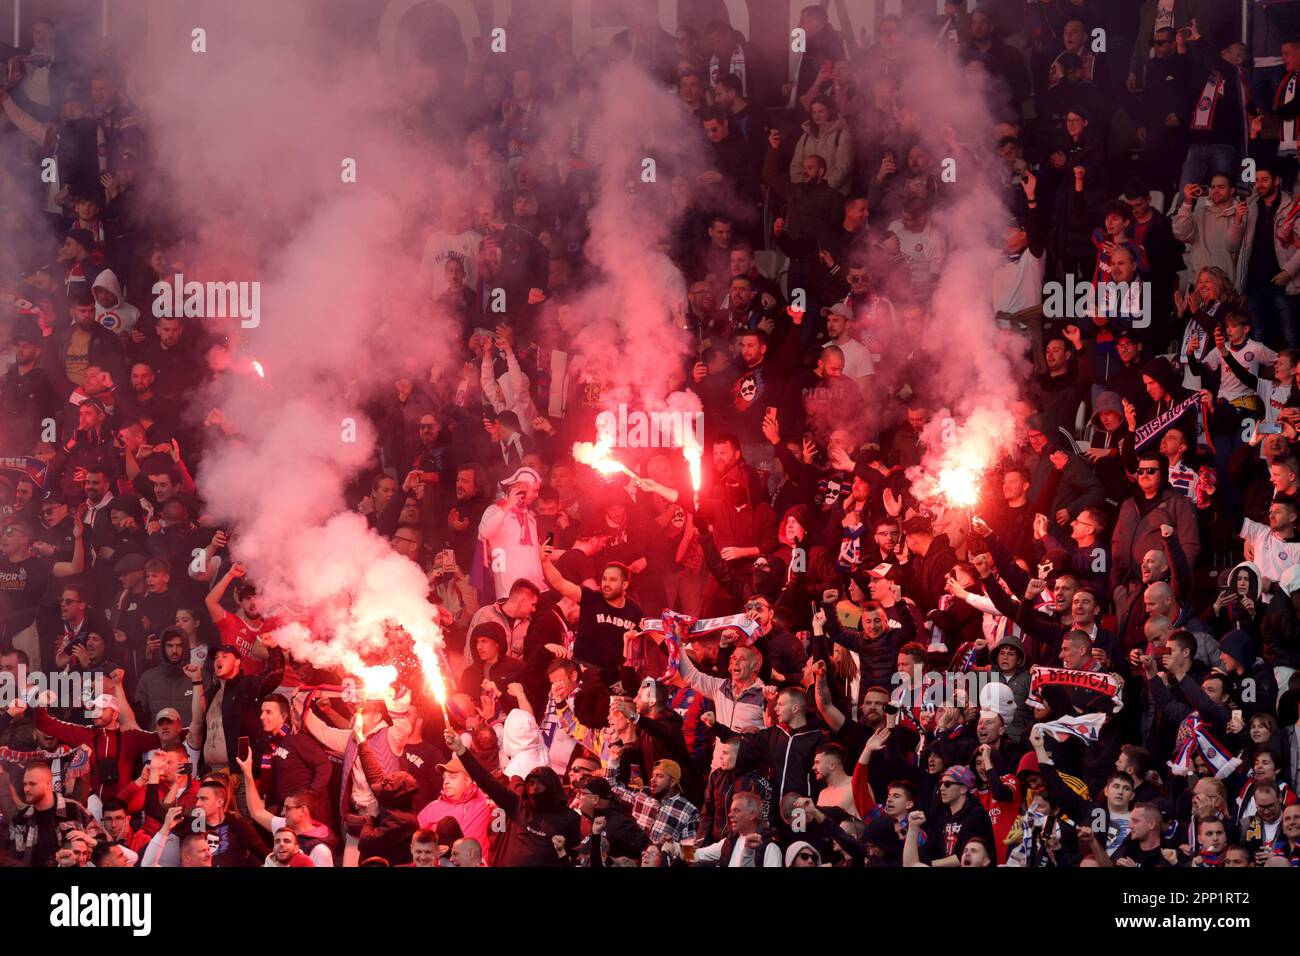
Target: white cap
<point>104,702</point>
<point>997,700</point>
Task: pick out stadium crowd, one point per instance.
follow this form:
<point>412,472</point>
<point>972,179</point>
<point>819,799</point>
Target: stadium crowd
<point>802,663</point>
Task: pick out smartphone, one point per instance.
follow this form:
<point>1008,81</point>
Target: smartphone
<point>1269,428</point>
<point>243,748</point>
<point>550,538</point>
<point>1236,715</point>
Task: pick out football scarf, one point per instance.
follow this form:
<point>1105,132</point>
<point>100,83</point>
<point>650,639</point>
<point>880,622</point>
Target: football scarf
<point>1087,727</point>
<point>1194,736</point>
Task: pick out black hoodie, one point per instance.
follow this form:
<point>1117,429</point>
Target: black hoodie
<point>1167,377</point>
<point>724,784</point>
<point>533,821</point>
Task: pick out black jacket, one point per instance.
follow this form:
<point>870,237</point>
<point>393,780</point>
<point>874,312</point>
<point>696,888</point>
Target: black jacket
<point>241,705</point>
<point>532,823</point>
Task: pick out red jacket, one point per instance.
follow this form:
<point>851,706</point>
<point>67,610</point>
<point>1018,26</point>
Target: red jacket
<point>125,745</point>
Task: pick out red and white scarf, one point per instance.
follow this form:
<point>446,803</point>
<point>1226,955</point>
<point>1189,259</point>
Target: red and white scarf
<point>1286,91</point>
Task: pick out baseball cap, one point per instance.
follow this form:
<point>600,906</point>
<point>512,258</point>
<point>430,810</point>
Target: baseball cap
<point>104,702</point>
<point>599,786</point>
<point>453,765</point>
<point>670,768</point>
<point>168,713</point>
<point>887,572</point>
<point>230,649</point>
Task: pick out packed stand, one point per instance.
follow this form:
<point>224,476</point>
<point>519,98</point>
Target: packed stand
<point>798,664</point>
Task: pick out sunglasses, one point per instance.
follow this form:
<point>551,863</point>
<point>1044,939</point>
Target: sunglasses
<point>806,856</point>
<point>1148,471</point>
<point>755,606</point>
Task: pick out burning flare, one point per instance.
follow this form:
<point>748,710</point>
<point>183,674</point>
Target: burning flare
<point>597,456</point>
<point>692,452</point>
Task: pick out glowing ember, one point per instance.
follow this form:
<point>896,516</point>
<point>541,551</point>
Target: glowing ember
<point>375,679</point>
<point>597,456</point>
<point>960,485</point>
<point>257,367</point>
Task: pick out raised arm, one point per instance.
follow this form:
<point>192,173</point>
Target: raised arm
<point>496,791</point>
<point>556,580</point>
<point>213,600</point>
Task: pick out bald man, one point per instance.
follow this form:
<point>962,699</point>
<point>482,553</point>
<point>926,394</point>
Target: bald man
<point>1159,598</point>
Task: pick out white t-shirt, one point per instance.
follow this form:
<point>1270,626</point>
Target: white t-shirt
<point>924,250</point>
<point>857,358</point>
<point>1275,398</point>
<point>1018,283</point>
<point>1250,355</point>
<point>1273,556</point>
<point>440,247</point>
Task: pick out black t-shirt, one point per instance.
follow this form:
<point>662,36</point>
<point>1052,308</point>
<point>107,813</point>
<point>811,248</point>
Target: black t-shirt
<point>22,585</point>
<point>1143,858</point>
<point>47,839</point>
<point>234,842</point>
<point>576,566</point>
<point>421,762</point>
<point>599,640</point>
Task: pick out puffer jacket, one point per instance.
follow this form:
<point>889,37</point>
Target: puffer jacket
<point>833,144</point>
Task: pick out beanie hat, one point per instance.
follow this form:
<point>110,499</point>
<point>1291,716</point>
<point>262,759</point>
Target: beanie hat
<point>1240,647</point>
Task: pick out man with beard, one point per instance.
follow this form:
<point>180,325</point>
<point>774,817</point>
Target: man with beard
<point>245,628</point>
<point>815,397</point>
<point>660,810</point>
<point>465,512</point>
<point>540,829</point>
<point>604,616</point>
<point>89,446</point>
<point>27,396</point>
<point>165,685</point>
